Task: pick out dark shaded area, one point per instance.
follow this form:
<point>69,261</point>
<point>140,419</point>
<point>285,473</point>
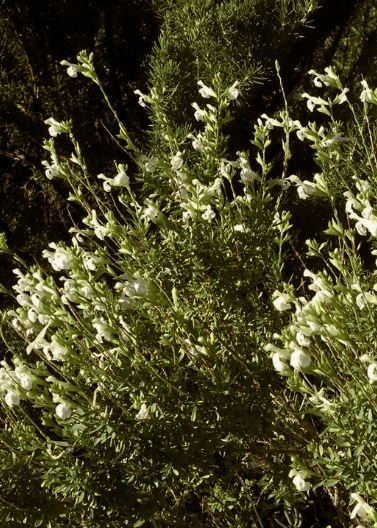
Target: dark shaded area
<point>34,86</point>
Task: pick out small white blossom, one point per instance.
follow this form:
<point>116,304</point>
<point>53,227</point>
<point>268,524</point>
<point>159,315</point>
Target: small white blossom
<point>150,163</point>
<point>205,91</point>
<point>302,340</point>
<point>304,188</point>
<point>16,324</point>
<point>300,360</point>
<point>103,330</point>
<point>371,371</point>
<point>99,230</point>
<point>300,483</point>
<point>52,170</point>
<point>177,161</point>
<point>366,94</point>
<point>58,351</point>
<point>142,98</point>
<point>284,183</point>
<point>72,72</point>
<point>60,259</point>
<point>341,98</point>
<point>12,399</point>
<point>39,341</point>
<point>199,113</point>
<point>63,411</point>
<point>73,69</point>
<point>278,364</point>
<point>120,180</point>
<point>322,296</point>
<point>363,298</point>
<point>143,414</point>
<point>281,301</point>
<point>26,382</point>
<point>368,222</point>
<point>319,79</point>
<point>362,509</point>
<point>233,92</point>
<point>32,315</point>
<point>55,127</point>
<point>313,101</point>
<point>319,397</point>
<point>150,213</point>
<point>336,138</point>
<point>209,214</point>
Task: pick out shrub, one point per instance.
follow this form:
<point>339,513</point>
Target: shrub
<point>143,393</point>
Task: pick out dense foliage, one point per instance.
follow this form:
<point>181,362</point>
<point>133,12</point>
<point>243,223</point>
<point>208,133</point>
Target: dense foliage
<point>184,356</point>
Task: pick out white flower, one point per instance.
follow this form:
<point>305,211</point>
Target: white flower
<point>150,213</point>
<point>317,80</point>
<point>12,399</point>
<point>63,411</point>
<point>136,285</point>
<point>284,184</point>
<point>120,180</point>
<point>352,203</point>
<point>313,101</point>
<point>103,330</point>
<point>366,94</point>
<point>371,374</point>
<point>278,364</point>
<point>58,351</point>
<point>177,161</point>
<point>205,91</point>
<point>232,92</point>
<point>363,298</point>
<point>325,403</point>
<point>281,301</point>
<point>248,175</point>
<point>199,113</point>
<point>16,324</point>
<point>336,138</point>
<point>39,341</point>
<point>302,340</point>
<point>99,230</point>
<point>301,134</point>
<point>72,72</point>
<point>322,296</point>
<point>143,414</point>
<point>300,483</point>
<point>52,170</point>
<point>362,508</point>
<point>188,215</point>
<point>208,214</point>
<point>368,222</point>
<point>61,260</point>
<point>26,382</point>
<point>150,163</point>
<point>304,188</point>
<point>55,127</point>
<point>366,358</point>
<point>73,69</point>
<point>142,97</point>
<point>300,360</point>
<point>270,122</point>
<point>341,98</point>
<point>43,319</point>
<point>32,315</point>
